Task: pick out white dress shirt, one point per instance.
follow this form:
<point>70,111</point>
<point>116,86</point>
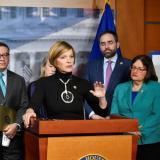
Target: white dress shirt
<point>105,64</point>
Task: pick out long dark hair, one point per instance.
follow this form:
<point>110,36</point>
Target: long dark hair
<point>147,62</point>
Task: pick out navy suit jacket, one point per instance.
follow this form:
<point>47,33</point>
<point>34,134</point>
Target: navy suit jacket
<point>94,72</point>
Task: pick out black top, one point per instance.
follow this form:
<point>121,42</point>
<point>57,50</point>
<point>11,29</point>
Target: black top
<point>60,103</point>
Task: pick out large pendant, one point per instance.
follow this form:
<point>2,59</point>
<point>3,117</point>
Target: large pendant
<point>67,97</point>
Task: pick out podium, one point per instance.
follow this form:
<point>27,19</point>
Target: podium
<point>82,139</point>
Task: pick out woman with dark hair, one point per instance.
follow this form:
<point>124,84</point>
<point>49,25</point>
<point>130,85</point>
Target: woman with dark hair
<point>140,99</point>
<point>147,62</point>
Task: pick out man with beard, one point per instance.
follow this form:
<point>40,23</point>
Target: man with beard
<point>111,70</point>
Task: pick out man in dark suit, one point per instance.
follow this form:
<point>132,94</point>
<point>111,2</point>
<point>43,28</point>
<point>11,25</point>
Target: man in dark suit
<point>96,70</point>
<point>12,94</point>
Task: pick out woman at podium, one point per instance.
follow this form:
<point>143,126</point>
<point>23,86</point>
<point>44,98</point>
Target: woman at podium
<point>140,99</point>
<point>63,94</point>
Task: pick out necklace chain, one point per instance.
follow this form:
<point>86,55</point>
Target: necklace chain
<point>66,95</point>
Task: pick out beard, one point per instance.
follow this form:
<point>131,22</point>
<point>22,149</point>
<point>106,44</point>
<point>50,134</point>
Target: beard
<point>109,53</point>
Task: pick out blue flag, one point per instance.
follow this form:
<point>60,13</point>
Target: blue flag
<point>106,23</point>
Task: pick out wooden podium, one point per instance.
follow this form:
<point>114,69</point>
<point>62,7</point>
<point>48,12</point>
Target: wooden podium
<point>82,139</point>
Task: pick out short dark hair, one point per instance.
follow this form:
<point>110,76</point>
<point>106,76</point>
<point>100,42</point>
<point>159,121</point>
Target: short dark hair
<point>2,44</point>
<point>115,35</point>
<point>147,62</point>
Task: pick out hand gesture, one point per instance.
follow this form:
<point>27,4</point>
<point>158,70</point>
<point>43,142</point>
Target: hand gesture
<point>99,90</point>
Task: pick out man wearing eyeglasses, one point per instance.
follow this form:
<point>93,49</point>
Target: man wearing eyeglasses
<point>13,95</point>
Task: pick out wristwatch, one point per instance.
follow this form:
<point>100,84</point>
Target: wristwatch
<point>18,127</point>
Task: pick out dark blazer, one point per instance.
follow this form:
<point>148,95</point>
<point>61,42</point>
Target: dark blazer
<point>16,95</point>
<point>94,72</point>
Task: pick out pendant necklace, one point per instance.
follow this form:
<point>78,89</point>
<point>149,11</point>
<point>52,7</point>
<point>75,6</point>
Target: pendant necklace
<point>66,96</point>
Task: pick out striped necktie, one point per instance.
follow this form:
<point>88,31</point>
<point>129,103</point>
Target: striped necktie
<point>2,84</point>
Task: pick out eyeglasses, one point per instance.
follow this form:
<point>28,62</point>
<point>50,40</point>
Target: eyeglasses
<point>4,55</point>
<point>139,69</point>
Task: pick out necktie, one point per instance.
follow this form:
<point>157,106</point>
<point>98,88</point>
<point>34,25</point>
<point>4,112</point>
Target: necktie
<point>108,73</point>
<point>2,84</point>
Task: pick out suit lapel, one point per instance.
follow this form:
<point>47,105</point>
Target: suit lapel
<point>139,96</point>
<point>115,74</point>
<point>1,97</point>
<point>137,99</point>
<point>129,96</point>
<point>99,71</point>
<point>10,82</point>
<point>1,94</point>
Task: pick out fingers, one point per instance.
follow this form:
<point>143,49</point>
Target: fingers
<point>27,117</point>
<point>10,130</point>
<point>99,89</point>
<point>108,117</point>
<point>11,136</point>
<point>98,84</point>
<point>6,129</point>
<point>135,133</point>
<point>91,91</point>
<point>95,116</point>
<point>26,120</point>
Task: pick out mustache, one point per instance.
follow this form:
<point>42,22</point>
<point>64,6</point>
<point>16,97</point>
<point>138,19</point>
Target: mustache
<point>107,50</point>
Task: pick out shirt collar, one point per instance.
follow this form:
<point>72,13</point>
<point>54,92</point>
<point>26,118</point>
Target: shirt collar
<point>5,72</point>
<point>113,59</point>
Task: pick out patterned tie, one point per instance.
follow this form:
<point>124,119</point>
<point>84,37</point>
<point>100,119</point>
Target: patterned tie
<point>2,84</point>
<point>108,73</point>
